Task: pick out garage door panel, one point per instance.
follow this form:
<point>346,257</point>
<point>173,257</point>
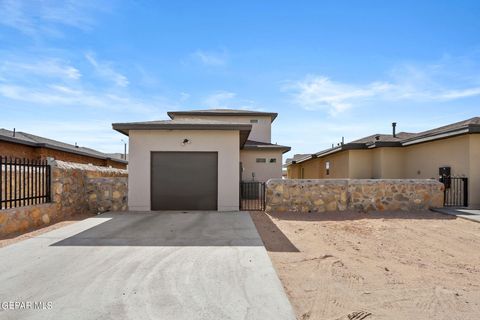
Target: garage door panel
<point>184,180</point>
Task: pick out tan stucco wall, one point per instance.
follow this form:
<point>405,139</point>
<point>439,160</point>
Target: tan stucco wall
<point>263,171</point>
<point>393,163</point>
<point>420,161</point>
<point>474,174</point>
<point>376,163</point>
<point>423,160</point>
<point>315,168</point>
<point>338,165</point>
<point>142,142</point>
<point>359,164</point>
<point>261,131</point>
<point>293,171</point>
<point>387,163</point>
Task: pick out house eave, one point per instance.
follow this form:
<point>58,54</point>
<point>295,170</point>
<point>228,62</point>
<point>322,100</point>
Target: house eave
<point>172,114</point>
<point>472,128</point>
<point>58,148</point>
<point>244,129</point>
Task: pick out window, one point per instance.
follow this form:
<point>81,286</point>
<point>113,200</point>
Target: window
<point>253,121</point>
<point>302,173</point>
<point>327,168</point>
<point>273,160</point>
<point>261,160</point>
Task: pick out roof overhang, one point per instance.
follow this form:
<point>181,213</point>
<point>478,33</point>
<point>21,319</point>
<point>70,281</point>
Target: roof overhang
<point>324,153</point>
<point>471,128</point>
<point>59,148</point>
<point>272,115</point>
<point>380,144</point>
<point>273,147</point>
<point>244,129</point>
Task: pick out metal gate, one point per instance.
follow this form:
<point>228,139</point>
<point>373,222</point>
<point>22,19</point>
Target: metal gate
<point>456,191</point>
<point>252,196</point>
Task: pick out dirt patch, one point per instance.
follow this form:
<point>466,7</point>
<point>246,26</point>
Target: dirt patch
<point>20,237</point>
<point>419,265</point>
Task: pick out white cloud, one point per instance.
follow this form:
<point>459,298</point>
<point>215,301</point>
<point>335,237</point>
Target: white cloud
<point>62,96</point>
<point>106,71</point>
<point>211,58</point>
<point>36,18</point>
<point>219,99</point>
<point>319,92</point>
<point>45,68</point>
<point>407,83</point>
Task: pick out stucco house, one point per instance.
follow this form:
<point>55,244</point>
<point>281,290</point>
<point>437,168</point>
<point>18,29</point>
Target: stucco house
<point>196,160</point>
<point>452,149</point>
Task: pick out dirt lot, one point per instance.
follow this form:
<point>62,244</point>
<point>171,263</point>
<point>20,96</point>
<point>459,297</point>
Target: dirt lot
<point>376,266</point>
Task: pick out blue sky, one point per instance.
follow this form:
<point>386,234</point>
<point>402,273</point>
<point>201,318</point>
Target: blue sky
<point>329,68</point>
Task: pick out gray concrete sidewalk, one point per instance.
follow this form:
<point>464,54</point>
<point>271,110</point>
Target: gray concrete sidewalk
<point>469,214</point>
<point>203,265</point>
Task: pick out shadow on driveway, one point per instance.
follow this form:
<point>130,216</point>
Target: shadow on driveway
<point>168,229</point>
<point>349,215</point>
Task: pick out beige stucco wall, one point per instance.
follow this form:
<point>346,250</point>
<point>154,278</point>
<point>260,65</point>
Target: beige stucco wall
<point>315,168</point>
<point>376,163</point>
<point>393,163</point>
<point>359,164</point>
<point>263,171</point>
<point>338,165</point>
<point>142,142</point>
<point>387,163</point>
<point>261,131</point>
<point>293,171</point>
<point>474,174</point>
<point>423,160</point>
<point>420,161</point>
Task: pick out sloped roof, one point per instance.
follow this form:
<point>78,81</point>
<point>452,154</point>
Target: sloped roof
<point>471,125</point>
<point>385,137</point>
<point>222,112</point>
<point>297,157</point>
<point>37,141</point>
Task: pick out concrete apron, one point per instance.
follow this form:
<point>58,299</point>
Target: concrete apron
<point>203,265</point>
<point>468,214</point>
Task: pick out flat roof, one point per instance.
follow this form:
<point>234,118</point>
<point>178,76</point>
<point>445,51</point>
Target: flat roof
<point>190,124</point>
<point>222,112</point>
<point>257,145</point>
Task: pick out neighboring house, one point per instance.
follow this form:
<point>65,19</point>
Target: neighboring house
<point>196,160</point>
<point>455,147</point>
<point>118,155</point>
<point>25,145</point>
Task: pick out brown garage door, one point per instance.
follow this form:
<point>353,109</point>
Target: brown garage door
<point>184,180</point>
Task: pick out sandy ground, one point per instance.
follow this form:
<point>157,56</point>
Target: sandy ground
<point>20,237</point>
<point>376,266</point>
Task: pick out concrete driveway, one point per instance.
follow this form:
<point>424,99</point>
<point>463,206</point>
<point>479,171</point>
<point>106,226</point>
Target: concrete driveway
<point>202,265</point>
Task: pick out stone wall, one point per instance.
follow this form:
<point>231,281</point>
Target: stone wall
<point>75,189</point>
<point>320,195</point>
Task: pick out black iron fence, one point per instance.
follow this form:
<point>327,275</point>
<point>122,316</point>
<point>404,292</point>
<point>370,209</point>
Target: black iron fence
<point>456,191</point>
<point>252,196</point>
<point>23,182</point>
